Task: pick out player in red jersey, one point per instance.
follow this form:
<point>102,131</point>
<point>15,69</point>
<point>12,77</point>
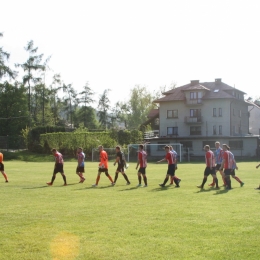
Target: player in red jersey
<point>81,165</point>
<point>210,167</point>
<point>171,159</point>
<point>176,168</point>
<point>2,167</point>
<point>227,164</point>
<point>103,166</point>
<point>258,188</point>
<point>142,161</point>
<point>58,167</point>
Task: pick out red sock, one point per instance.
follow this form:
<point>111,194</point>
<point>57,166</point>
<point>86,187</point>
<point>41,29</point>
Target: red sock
<point>97,180</point>
<point>238,179</point>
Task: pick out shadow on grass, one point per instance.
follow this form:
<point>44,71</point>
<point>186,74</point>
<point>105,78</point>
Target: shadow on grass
<point>161,188</point>
<point>32,188</point>
<point>132,188</point>
<point>219,192</point>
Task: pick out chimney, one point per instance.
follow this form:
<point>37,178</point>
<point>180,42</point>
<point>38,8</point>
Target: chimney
<point>218,81</point>
<point>194,82</point>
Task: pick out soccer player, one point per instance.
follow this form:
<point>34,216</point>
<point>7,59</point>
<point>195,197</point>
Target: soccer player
<point>227,164</point>
<point>103,166</point>
<point>120,160</point>
<point>176,167</point>
<point>81,165</point>
<point>259,184</point>
<point>58,167</point>
<point>234,167</point>
<point>210,167</point>
<point>142,161</point>
<point>218,157</point>
<point>2,167</point>
<point>171,159</point>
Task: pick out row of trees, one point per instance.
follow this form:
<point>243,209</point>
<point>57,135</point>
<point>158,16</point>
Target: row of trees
<point>29,102</point>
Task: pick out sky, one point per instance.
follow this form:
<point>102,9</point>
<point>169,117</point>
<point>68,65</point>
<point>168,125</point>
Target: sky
<point>118,44</point>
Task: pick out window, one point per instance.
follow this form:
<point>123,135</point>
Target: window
<point>214,130</point>
<point>214,112</point>
<point>172,130</point>
<point>236,144</point>
<point>195,112</point>
<point>210,143</point>
<point>186,144</point>
<point>220,111</point>
<point>193,95</point>
<point>220,130</point>
<point>195,130</point>
<point>172,113</point>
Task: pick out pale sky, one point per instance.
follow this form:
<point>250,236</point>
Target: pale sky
<point>118,44</point>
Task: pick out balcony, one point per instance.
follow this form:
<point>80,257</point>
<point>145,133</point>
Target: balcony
<point>193,120</point>
<point>194,102</point>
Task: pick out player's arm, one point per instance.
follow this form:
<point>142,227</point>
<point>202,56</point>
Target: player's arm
<point>257,166</point>
<point>117,160</point>
<point>164,159</point>
<point>222,164</point>
<point>80,160</point>
<point>210,162</point>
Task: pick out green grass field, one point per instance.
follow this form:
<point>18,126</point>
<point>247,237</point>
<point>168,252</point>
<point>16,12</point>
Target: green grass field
<point>125,222</point>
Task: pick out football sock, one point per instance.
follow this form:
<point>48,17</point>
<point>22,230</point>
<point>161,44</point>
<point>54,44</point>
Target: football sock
<point>109,177</point>
<point>176,181</point>
<point>116,176</point>
<point>97,180</point>
<point>165,180</point>
<point>5,176</point>
<point>53,178</point>
<point>228,181</point>
<point>172,178</point>
<point>216,181</point>
<point>204,181</point>
<point>145,180</point>
<point>235,177</point>
<point>139,179</point>
<point>126,178</point>
<point>64,178</point>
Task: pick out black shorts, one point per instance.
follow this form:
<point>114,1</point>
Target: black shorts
<point>171,169</point>
<point>2,167</point>
<point>209,171</point>
<point>217,167</point>
<point>142,170</point>
<point>58,168</point>
<point>80,169</point>
<point>120,168</point>
<point>233,172</point>
<point>228,171</point>
<point>102,170</point>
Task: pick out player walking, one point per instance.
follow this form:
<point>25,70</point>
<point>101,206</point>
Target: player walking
<point>210,167</point>
<point>120,160</point>
<point>227,164</point>
<point>2,167</point>
<point>142,161</point>
<point>103,166</point>
<point>58,167</point>
<point>81,165</point>
<point>258,188</point>
<point>171,159</point>
<point>176,167</point>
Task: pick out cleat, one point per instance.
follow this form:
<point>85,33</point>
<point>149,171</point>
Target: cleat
<point>94,185</point>
<point>212,184</point>
<point>6,181</point>
<point>177,186</point>
<point>179,181</point>
<point>128,183</point>
<point>112,183</point>
<point>49,183</point>
<point>65,184</point>
<point>257,188</point>
<point>242,184</point>
<point>162,185</point>
<point>171,183</point>
<point>145,186</point>
<point>139,185</point>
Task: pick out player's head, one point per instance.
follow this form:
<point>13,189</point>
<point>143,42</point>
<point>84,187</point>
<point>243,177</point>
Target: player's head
<point>217,144</point>
<point>225,147</point>
<point>141,147</point>
<point>53,150</point>
<point>207,147</point>
<point>118,148</point>
<point>170,147</point>
<point>80,149</point>
<point>167,148</point>
<point>100,147</point>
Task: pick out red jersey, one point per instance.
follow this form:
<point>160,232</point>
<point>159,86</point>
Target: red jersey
<point>229,161</point>
<point>1,157</point>
<point>103,159</point>
<point>210,159</point>
<point>170,157</point>
<point>58,157</point>
<point>142,157</point>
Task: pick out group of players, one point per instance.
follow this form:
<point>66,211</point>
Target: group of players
<point>223,161</point>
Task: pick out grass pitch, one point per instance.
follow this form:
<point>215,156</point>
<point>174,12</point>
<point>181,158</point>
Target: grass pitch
<point>125,222</point>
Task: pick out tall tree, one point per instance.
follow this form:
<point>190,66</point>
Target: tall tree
<point>85,98</point>
<point>4,69</point>
<point>103,108</point>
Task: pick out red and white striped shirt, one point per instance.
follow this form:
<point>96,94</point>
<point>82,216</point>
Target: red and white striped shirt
<point>142,157</point>
<point>58,158</point>
<point>229,160</point>
<point>170,157</point>
<point>210,159</point>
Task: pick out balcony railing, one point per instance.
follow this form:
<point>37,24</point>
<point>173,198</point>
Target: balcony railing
<point>197,101</point>
<point>193,120</point>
